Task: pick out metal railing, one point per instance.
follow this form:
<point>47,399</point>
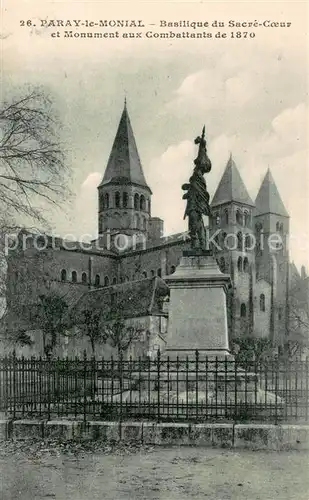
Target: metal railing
<point>194,389</point>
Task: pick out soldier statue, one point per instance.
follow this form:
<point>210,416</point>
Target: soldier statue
<point>197,196</point>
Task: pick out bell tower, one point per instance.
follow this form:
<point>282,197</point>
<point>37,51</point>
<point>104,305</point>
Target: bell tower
<point>231,226</point>
<point>272,255</point>
<point>124,195</point>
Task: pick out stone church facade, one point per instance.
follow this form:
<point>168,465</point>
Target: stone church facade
<point>131,246</point>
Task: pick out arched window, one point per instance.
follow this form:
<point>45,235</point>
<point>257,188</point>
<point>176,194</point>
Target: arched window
<point>106,280</point>
<point>106,200</point>
<point>239,264</point>
<point>239,241</point>
<point>63,275</point>
<point>281,227</point>
<point>114,281</point>
<point>74,276</point>
<point>159,272</point>
<point>117,199</point>
<point>101,202</point>
<point>248,241</point>
<point>173,269</point>
<point>101,223</point>
<point>97,280</point>
<point>278,226</point>
<point>243,311</point>
<point>262,302</point>
<point>84,278</point>
<point>144,274</point>
<point>136,221</point>
<point>239,218</point>
<point>152,273</point>
<point>143,223</point>
<point>247,219</point>
<point>226,216</point>
<point>222,265</point>
<point>125,200</point>
<point>259,238</point>
<point>136,201</point>
<point>246,265</point>
<point>142,203</point>
<point>217,219</point>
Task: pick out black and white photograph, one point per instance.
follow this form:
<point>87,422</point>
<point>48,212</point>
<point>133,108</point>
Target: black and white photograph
<point>154,250</point>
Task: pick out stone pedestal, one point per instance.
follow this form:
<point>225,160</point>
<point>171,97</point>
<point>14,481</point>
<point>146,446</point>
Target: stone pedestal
<point>197,308</point>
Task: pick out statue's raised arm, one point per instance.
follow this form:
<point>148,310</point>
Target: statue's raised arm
<point>197,196</point>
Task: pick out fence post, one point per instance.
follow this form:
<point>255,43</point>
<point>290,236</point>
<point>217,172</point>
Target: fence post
<point>216,385</point>
<point>120,361</point>
<point>85,386</point>
<point>158,381</point>
<point>235,391</point>
<point>24,390</point>
<point>187,387</point>
<point>48,374</point>
<point>149,387</point>
<point>93,384</point>
<point>225,388</point>
<point>276,391</point>
<point>196,383</point>
<point>168,387</point>
<point>4,384</point>
<point>14,367</point>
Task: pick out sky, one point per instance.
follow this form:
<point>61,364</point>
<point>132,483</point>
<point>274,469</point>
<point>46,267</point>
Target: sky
<point>251,94</point>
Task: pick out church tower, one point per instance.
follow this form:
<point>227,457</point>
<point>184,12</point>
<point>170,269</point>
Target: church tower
<point>124,195</point>
<point>272,256</point>
<point>232,223</point>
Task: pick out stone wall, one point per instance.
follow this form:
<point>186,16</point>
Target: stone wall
<point>225,435</point>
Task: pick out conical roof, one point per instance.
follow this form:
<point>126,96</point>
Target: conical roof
<point>231,187</point>
<point>268,199</point>
<point>124,165</point>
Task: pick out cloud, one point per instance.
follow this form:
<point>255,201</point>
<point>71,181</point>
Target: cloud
<point>166,175</point>
<point>92,181</point>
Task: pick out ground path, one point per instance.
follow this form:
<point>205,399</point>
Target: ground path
<point>65,472</point>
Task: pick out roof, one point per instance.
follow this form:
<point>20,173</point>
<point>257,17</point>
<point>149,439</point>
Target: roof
<point>268,199</point>
<point>131,299</point>
<point>124,164</point>
<point>231,187</point>
<point>95,247</point>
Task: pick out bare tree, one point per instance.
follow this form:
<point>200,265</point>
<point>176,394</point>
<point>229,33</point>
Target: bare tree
<point>51,318</point>
<point>103,327</point>
<point>119,333</point>
<point>91,320</point>
<point>33,171</point>
<point>32,165</point>
<point>298,318</point>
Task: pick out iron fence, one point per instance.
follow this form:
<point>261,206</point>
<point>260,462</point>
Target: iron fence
<point>188,389</point>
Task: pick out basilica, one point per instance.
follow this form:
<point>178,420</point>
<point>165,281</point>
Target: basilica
<point>131,256</point>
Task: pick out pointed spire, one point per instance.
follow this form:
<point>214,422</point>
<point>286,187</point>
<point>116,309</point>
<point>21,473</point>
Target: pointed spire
<point>124,164</point>
<point>268,199</point>
<point>231,187</point>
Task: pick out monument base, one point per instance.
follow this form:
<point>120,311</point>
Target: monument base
<point>197,308</point>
